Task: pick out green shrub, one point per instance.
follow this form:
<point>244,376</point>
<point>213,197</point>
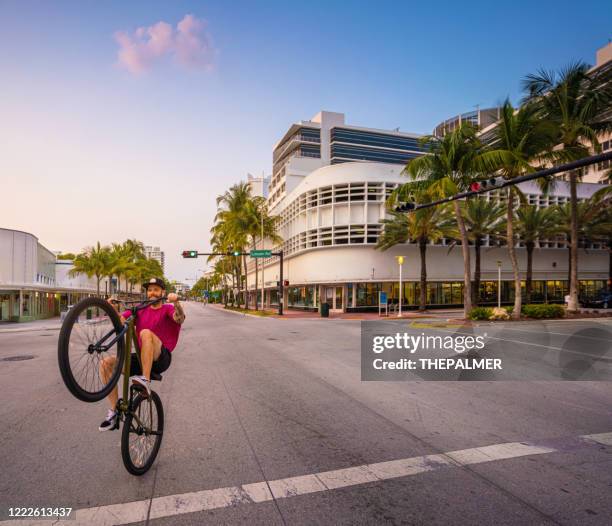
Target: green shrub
<point>509,309</point>
<point>545,310</point>
<point>480,313</point>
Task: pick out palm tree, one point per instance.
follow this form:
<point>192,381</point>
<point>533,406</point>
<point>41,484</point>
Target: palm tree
<point>449,168</point>
<point>482,218</point>
<point>261,226</point>
<point>424,226</point>
<point>533,224</point>
<point>92,262</point>
<point>235,223</point>
<point>519,141</point>
<point>601,201</point>
<point>573,101</point>
<point>594,219</point>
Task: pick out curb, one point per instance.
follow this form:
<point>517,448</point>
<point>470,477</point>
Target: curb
<point>36,329</point>
<point>241,313</point>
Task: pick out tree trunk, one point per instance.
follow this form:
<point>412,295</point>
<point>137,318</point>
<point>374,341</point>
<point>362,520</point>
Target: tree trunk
<point>465,249</point>
<point>569,266</point>
<point>98,285</point>
<point>516,312</point>
<point>573,284</point>
<point>476,285</point>
<point>256,278</point>
<point>610,264</point>
<point>246,282</point>
<point>423,294</point>
<point>529,245</point>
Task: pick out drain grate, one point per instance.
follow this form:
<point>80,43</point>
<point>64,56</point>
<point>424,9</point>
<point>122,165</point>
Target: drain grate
<point>18,358</point>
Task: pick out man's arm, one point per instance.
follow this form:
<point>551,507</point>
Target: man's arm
<point>179,313</point>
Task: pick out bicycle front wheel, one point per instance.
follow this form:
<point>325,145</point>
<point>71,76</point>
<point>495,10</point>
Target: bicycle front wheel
<point>142,433</point>
<point>89,371</point>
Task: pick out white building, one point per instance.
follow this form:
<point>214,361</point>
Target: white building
<point>33,284</point>
<point>331,209</point>
<point>259,185</point>
<point>157,254</point>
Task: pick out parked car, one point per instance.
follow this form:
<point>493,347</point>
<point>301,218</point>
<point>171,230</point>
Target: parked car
<point>602,301</point>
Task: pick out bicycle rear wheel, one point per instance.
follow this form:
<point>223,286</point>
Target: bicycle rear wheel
<point>80,358</point>
<point>142,433</point>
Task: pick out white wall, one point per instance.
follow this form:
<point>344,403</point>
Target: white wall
<point>18,257</point>
<point>352,264</point>
<point>80,281</point>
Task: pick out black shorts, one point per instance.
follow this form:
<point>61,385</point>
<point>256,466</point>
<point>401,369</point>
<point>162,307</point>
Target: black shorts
<point>159,365</point>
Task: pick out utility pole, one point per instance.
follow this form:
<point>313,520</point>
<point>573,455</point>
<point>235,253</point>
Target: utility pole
<point>262,261</point>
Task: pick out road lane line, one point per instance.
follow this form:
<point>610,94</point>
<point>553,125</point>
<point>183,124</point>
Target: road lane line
<point>568,334</point>
<point>257,492</point>
<point>600,438</point>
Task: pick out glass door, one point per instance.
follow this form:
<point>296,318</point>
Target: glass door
<point>338,304</point>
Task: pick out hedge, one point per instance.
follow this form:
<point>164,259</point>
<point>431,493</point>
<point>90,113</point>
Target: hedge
<point>544,310</point>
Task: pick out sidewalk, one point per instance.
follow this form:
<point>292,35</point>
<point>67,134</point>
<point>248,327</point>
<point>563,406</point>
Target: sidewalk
<point>293,314</point>
<point>49,324</point>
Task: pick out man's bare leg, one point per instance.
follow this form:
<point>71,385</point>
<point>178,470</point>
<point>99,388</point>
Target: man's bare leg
<point>107,366</point>
<point>150,351</point>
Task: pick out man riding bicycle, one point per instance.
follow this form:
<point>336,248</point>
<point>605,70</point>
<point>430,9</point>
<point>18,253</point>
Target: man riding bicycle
<point>157,327</point>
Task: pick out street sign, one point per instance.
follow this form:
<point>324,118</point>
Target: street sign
<point>382,298</point>
<point>260,253</point>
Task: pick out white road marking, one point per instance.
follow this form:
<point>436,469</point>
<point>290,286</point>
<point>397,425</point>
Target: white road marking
<point>521,342</point>
<point>505,328</point>
<point>197,501</point>
<point>601,438</point>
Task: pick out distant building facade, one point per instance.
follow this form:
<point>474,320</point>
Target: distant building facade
<point>33,285</point>
<point>259,185</point>
<point>156,253</point>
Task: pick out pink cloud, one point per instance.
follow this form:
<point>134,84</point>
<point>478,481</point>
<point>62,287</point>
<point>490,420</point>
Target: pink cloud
<point>189,45</point>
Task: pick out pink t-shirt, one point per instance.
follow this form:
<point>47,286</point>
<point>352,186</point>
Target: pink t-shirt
<point>160,322</point>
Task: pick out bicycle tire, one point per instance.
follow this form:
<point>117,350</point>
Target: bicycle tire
<point>63,350</point>
<point>128,462</point>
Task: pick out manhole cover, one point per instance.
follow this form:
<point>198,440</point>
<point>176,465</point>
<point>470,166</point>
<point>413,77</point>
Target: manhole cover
<point>19,358</point>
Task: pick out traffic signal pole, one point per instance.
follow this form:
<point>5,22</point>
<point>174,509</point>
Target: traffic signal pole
<point>568,167</point>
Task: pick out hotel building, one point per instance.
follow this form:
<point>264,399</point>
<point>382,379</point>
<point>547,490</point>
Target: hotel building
<point>329,186</point>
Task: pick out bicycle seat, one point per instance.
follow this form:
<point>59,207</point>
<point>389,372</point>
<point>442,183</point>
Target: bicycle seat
<point>156,376</point>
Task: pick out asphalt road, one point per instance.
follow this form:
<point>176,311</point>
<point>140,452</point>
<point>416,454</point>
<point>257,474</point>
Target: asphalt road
<point>268,422</point>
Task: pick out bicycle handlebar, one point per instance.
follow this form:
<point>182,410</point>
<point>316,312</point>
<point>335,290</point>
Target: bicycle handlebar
<point>141,304</point>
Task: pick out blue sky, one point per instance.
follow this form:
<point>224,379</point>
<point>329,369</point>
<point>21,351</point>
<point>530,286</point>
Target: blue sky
<point>94,150</point>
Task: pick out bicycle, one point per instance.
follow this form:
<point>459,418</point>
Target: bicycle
<point>83,343</point>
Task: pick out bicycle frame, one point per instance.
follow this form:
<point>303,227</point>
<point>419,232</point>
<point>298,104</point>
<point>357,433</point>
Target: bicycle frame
<point>129,331</point>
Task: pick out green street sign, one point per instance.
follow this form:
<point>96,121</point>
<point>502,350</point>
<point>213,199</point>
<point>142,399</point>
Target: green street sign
<point>260,253</point>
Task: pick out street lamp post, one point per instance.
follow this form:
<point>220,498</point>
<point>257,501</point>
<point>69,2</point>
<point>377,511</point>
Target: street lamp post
<point>499,264</point>
<point>263,290</point>
<point>400,262</point>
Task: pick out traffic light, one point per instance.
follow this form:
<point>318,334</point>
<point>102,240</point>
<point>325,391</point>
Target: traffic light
<point>285,283</point>
<point>485,184</point>
<point>236,253</point>
<point>190,253</point>
<point>404,207</point>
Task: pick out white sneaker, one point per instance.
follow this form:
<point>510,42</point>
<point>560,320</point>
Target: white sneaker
<point>142,382</point>
<point>111,422</point>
